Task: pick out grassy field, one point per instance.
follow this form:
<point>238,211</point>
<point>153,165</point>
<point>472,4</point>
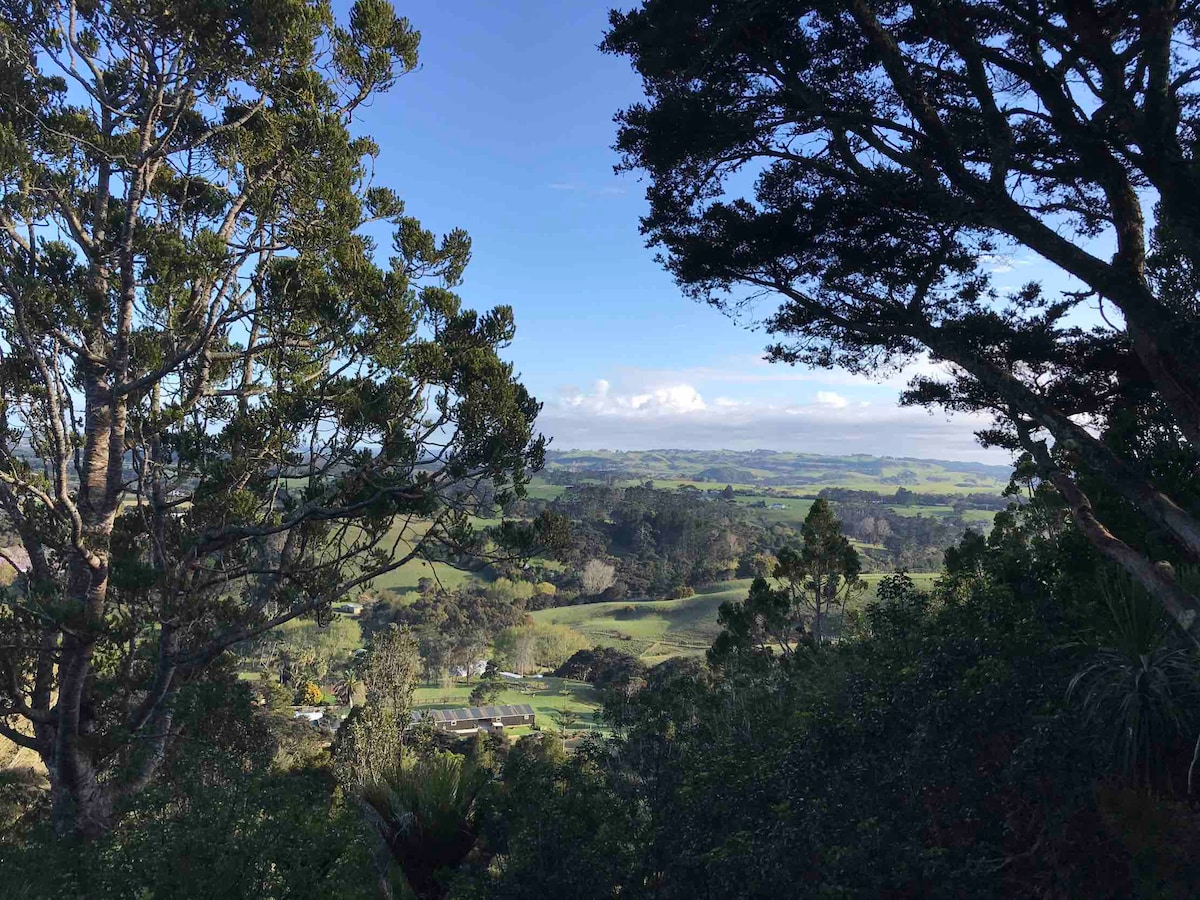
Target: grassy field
<point>541,490</point>
<point>792,497</point>
<point>793,513</point>
<point>545,695</point>
<point>658,629</point>
<point>406,577</point>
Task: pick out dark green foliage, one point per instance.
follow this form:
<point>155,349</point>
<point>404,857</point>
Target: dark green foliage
<point>618,676</point>
<point>806,599</point>
<point>1140,686</point>
<point>868,164</point>
<point>931,752</point>
<point>658,539</point>
<point>916,543</point>
<point>559,827</point>
<point>423,809</point>
<point>225,818</point>
<point>485,693</point>
<point>454,628</point>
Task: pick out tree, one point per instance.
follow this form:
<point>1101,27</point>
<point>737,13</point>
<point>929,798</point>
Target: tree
<point>308,649</point>
<point>727,494</point>
<point>391,670</point>
<point>589,837</point>
<point>823,576</point>
<point>901,151</point>
<point>310,694</point>
<point>348,680</point>
<point>424,812</point>
<point>215,402</point>
<point>525,651</point>
<point>484,693</point>
<point>814,583</point>
<point>597,577</point>
<point>566,720</point>
<point>446,682</point>
<point>233,813</point>
<point>372,739</point>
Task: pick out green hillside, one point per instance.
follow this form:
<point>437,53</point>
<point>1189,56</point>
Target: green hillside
<point>654,630</point>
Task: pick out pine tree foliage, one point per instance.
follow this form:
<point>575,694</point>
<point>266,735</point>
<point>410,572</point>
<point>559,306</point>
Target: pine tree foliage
<point>220,410</point>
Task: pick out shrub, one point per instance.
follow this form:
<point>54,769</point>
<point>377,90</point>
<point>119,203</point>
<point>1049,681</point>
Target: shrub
<point>310,694</point>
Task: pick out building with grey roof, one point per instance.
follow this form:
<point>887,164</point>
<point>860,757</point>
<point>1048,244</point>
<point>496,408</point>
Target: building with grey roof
<point>468,720</point>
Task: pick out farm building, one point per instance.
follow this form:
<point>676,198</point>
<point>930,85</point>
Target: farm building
<point>476,718</point>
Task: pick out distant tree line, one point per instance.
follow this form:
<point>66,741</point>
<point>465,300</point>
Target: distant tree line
<point>905,497</point>
<point>657,540</point>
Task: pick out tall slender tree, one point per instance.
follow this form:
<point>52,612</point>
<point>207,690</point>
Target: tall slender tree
<point>822,576</point>
<point>220,412</point>
<point>812,585</point>
<point>864,162</point>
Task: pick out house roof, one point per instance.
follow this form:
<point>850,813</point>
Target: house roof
<point>469,713</point>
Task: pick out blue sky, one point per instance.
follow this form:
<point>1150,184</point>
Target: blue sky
<point>506,130</point>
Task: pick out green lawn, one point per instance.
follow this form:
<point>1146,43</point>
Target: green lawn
<point>541,490</point>
<point>406,577</point>
<point>983,516</point>
<point>793,513</point>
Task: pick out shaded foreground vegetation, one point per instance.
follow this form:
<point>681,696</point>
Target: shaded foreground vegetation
<point>1024,728</point>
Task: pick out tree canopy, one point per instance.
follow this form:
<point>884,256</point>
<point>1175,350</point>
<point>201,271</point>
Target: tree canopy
<point>813,584</point>
<point>220,410</point>
<point>866,163</point>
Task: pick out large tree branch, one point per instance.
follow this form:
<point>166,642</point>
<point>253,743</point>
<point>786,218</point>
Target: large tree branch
<point>1158,578</point>
<point>1122,281</point>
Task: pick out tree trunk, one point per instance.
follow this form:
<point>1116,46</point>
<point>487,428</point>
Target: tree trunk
<point>81,805</point>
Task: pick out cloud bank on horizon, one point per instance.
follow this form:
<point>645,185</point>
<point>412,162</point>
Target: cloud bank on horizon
<point>691,409</point>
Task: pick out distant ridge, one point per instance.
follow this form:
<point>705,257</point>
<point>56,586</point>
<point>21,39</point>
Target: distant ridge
<point>773,468</point>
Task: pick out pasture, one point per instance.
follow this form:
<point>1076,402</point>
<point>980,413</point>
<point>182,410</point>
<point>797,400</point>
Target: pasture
<point>654,630</point>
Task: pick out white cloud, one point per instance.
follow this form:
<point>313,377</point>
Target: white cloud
<point>667,400</point>
<point>756,370</point>
<point>833,399</point>
<point>639,416</point>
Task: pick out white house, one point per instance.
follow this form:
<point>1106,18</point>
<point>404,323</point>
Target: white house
<point>469,670</point>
